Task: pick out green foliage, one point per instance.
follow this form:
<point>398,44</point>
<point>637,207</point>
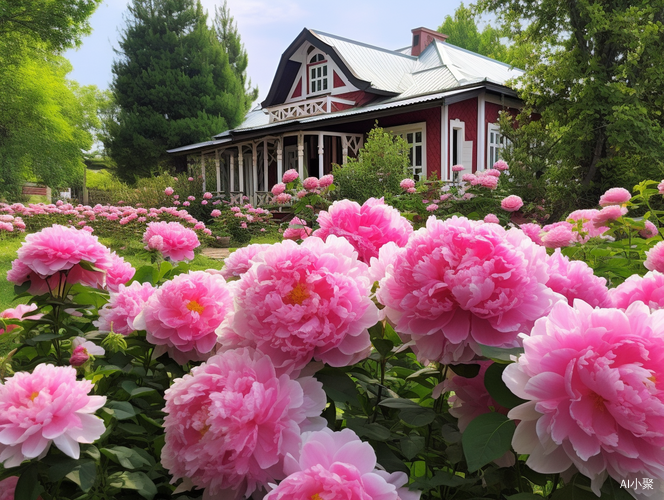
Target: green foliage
<point>382,163</point>
<point>173,85</point>
<point>594,76</point>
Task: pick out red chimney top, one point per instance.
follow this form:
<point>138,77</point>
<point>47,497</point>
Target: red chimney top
<point>422,37</point>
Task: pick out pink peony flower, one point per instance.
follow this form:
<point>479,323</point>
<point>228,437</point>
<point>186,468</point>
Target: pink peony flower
<point>204,202</point>
<point>491,219</point>
<point>326,181</point>
<point>338,465</point>
<point>181,316</point>
<point>185,204</point>
<point>512,203</point>
<point>238,262</point>
<point>82,350</point>
<point>650,231</point>
<point>574,279</point>
<point>592,381</point>
<point>297,230</point>
<point>493,172</point>
<point>290,176</point>
<point>407,184</point>
<point>118,273</point>
<point>176,241</point>
<point>8,488</point>
<point>489,182</point>
<point>501,165</point>
<point>460,282</point>
<point>655,258</point>
<point>59,248</point>
<point>610,212</point>
<point>299,302</point>
<point>660,187</point>
<point>559,236</point>
<point>458,168</point>
<point>310,183</point>
<point>615,196</point>
<point>470,178</point>
<point>283,198</point>
<point>176,197</point>
<point>19,312</point>
<point>207,195</point>
<point>215,213</point>
<point>411,190</point>
<point>125,304</point>
<point>43,407</point>
<point>190,179</point>
<point>367,227</point>
<point>432,208</point>
<point>279,188</point>
<point>648,289</point>
<point>168,191</point>
<point>230,423</point>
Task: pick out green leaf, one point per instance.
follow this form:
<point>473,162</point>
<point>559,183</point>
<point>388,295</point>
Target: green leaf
<point>164,268</point>
<point>371,431</point>
<point>137,481</point>
<point>129,458</point>
<point>338,386</point>
<point>466,371</point>
<point>500,355</point>
<point>383,346</point>
<point>417,417</point>
<point>493,381</point>
<point>399,403</point>
<point>411,445</point>
<point>120,409</point>
<point>28,486</point>
<point>21,289</point>
<point>486,438</point>
<point>84,474</point>
<point>146,274</point>
<point>524,496</point>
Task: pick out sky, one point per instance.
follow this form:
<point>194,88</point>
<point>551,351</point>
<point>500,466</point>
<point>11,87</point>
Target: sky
<point>267,28</point>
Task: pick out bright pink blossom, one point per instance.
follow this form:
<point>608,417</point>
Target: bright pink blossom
<point>501,165</point>
<point>648,289</point>
<point>512,203</point>
<point>610,212</point>
<point>19,312</point>
<point>118,273</point>
<point>592,378</point>
<point>82,350</point>
<point>124,306</point>
<point>560,236</point>
<point>491,219</point>
<point>238,262</point>
<point>299,302</point>
<point>460,282</point>
<point>407,184</point>
<point>367,227</point>
<point>47,406</point>
<point>215,213</point>
<point>207,195</point>
<point>290,176</point>
<point>177,242</point>
<point>650,231</point>
<point>326,181</point>
<point>615,196</point>
<point>338,465</point>
<point>278,188</point>
<point>489,182</point>
<point>230,423</point>
<point>310,183</point>
<point>655,258</point>
<point>182,315</point>
<point>574,279</point>
<point>168,191</point>
<point>660,187</point>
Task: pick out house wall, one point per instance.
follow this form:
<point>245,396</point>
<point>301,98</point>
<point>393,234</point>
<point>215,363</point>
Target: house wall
<point>466,111</point>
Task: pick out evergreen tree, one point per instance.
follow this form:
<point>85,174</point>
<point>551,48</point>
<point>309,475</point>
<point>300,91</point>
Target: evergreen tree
<point>226,29</point>
<point>172,83</point>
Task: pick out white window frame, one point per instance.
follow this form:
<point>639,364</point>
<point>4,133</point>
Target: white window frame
<point>414,128</point>
<point>493,148</point>
<point>464,147</point>
<point>322,80</point>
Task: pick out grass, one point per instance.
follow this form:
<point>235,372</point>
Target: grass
<point>8,249</point>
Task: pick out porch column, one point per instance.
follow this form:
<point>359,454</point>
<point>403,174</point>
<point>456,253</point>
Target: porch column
<point>344,150</point>
<point>232,164</point>
<point>254,168</point>
<point>300,155</point>
<point>266,161</point>
<point>217,166</point>
<point>321,152</point>
<point>280,159</point>
<point>240,167</point>
<point>203,171</point>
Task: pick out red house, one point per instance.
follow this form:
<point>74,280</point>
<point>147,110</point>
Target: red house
<point>329,91</point>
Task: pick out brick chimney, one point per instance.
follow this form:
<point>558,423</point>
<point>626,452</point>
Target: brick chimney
<point>422,37</point>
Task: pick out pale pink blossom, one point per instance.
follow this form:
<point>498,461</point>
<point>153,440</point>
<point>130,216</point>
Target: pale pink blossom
<point>592,381</point>
<point>432,208</point>
<point>238,262</point>
<point>177,242</point>
<point>470,178</point>
<point>290,176</point>
<point>278,188</point>
<point>660,187</point>
<point>231,422</point>
<point>47,406</point>
<point>181,316</point>
<point>310,183</point>
<point>186,204</point>
<point>648,289</point>
<point>297,230</point>
<point>610,212</point>
<point>458,168</point>
<point>655,258</point>
<point>123,307</point>
<point>8,488</point>
<point>378,265</point>
<point>411,190</point>
<point>326,181</point>
<point>491,219</point>
<point>215,213</point>
<point>19,312</point>
<point>489,182</point>
<point>207,195</point>
<point>204,202</point>
<point>118,273</point>
<point>615,196</point>
<point>190,179</point>
<point>367,227</point>
<point>501,165</point>
<point>574,279</point>
<point>649,231</point>
<point>82,350</point>
<point>338,465</point>
<point>168,191</point>
<point>407,184</point>
<point>587,216</point>
<point>283,198</point>
<point>458,283</point>
<point>560,236</point>
<point>493,172</point>
<point>512,203</point>
<point>299,302</point>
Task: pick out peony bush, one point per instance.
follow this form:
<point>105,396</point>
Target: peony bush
<point>477,357</point>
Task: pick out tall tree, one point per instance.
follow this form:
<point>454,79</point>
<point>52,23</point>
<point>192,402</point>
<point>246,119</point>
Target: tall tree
<point>173,84</point>
<point>227,33</point>
<point>596,78</point>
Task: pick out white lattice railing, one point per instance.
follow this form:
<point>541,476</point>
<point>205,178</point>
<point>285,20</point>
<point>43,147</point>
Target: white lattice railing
<point>310,107</point>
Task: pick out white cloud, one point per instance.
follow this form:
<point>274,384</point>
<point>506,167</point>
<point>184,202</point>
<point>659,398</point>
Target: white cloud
<point>249,13</point>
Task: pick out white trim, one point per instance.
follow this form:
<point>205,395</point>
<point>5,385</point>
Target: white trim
<point>463,147</point>
<point>444,126</point>
<point>495,128</point>
<point>507,102</point>
<point>481,113</point>
<point>413,128</point>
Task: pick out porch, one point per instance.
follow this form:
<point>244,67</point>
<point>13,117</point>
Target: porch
<point>250,168</point>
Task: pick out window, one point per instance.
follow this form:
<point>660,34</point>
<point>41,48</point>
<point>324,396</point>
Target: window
<point>415,136</point>
<point>495,143</point>
<point>318,81</point>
